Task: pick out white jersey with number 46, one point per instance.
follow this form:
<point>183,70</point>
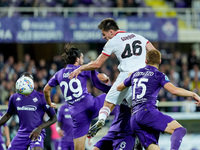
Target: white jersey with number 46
<point>130,50</point>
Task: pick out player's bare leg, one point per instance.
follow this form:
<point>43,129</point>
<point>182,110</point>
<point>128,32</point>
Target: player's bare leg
<point>153,147</point>
<point>172,126</point>
<point>79,143</point>
<point>177,131</point>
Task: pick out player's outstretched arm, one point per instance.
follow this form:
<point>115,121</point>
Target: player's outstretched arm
<point>121,87</point>
<point>7,134</point>
<point>103,78</point>
<point>36,132</point>
<point>47,92</point>
<point>4,118</point>
<point>149,46</point>
<point>182,92</point>
<point>90,66</point>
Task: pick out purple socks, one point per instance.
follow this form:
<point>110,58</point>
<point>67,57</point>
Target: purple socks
<point>176,138</point>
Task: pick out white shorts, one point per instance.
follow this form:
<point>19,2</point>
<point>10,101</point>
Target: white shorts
<point>116,97</point>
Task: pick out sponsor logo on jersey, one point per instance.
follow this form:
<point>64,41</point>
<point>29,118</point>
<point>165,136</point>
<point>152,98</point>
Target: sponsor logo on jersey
<point>66,109</point>
<point>68,116</point>
<point>35,99</point>
<point>27,108</point>
<point>18,99</point>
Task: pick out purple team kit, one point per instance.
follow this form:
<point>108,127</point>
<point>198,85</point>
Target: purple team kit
<point>64,117</point>
<point>145,112</point>
<point>30,111</point>
<point>120,134</point>
<point>82,105</point>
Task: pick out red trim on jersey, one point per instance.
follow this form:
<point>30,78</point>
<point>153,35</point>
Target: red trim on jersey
<point>147,42</point>
<point>120,32</point>
<point>105,54</point>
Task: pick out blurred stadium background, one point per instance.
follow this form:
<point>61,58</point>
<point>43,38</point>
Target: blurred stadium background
<point>33,34</point>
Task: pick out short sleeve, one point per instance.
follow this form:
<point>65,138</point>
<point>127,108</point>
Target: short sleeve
<point>163,79</point>
<point>11,108</point>
<point>143,39</point>
<point>108,48</point>
<point>53,81</point>
<point>127,81</point>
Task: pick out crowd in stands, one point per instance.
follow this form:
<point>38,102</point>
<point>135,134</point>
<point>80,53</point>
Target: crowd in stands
<point>84,3</point>
<point>91,3</point>
<point>70,3</point>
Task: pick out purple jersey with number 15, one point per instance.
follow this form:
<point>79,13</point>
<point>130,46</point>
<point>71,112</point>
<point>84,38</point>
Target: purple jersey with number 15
<point>145,78</point>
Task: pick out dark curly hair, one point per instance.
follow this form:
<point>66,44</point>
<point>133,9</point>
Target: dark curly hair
<point>27,74</point>
<point>70,54</point>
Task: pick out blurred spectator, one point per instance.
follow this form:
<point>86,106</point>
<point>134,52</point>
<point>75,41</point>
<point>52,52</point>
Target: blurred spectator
<point>132,3</point>
<point>38,3</point>
<point>69,3</point>
<point>120,4</point>
<point>27,59</point>
<point>184,72</point>
<point>85,2</point>
<point>192,59</point>
<point>1,61</point>
<point>195,84</point>
<point>56,98</point>
<point>42,64</point>
<point>103,3</point>
<point>174,77</point>
<point>26,3</point>
<point>52,70</point>
<point>4,3</point>
<point>195,72</point>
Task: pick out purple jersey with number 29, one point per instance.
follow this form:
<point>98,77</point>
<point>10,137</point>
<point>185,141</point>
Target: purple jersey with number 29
<point>82,105</point>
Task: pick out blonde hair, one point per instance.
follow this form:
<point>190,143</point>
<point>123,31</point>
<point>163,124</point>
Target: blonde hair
<point>153,57</point>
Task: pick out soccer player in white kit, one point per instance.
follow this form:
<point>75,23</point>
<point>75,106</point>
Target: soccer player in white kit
<point>130,49</point>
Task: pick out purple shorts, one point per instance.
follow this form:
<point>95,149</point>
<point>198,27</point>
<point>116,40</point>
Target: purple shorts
<point>82,121</point>
<point>66,145</point>
<point>22,142</point>
<point>114,141</point>
<point>147,125</point>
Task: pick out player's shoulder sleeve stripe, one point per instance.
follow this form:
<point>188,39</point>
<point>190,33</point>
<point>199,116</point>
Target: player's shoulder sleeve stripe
<point>105,54</point>
<point>147,42</point>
